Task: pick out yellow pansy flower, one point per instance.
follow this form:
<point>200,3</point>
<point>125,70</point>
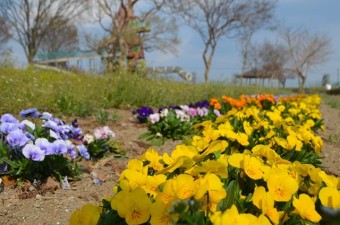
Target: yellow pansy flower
<point>226,130</point>
<point>182,161</point>
<point>199,143</point>
<point>270,156</point>
<point>236,160</point>
<point>167,194</point>
<point>281,142</point>
<point>305,207</point>
<point>137,165</point>
<point>253,112</point>
<point>309,123</point>
<point>184,186</point>
<point>305,134</point>
<point>265,201</point>
<point>330,180</point>
<point>253,167</point>
<point>275,117</point>
<point>184,150</point>
<point>313,180</point>
<point>134,206</point>
<point>247,128</point>
<point>229,217</point>
<point>218,167</point>
<point>160,214</point>
<point>87,215</point>
<point>330,197</point>
<point>281,108</point>
<point>217,145</point>
<point>131,179</point>
<point>317,143</point>
<point>269,135</point>
<point>211,134</point>
<point>152,183</point>
<point>281,185</point>
<point>293,141</point>
<point>261,220</point>
<point>212,186</point>
<point>289,121</point>
<point>242,138</point>
<point>152,156</point>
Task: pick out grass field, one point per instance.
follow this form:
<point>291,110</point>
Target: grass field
<point>83,95</point>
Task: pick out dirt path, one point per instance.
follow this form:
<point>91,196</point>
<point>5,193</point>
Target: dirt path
<point>331,138</point>
<point>56,208</point>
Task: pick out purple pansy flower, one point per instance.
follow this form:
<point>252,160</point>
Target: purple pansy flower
<point>46,116</point>
<point>143,113</point>
<point>17,138</point>
<point>59,147</point>
<point>31,151</point>
<point>24,123</point>
<point>6,127</point>
<point>8,118</point>
<point>77,131</point>
<point>50,125</point>
<point>70,149</point>
<point>83,151</point>
<point>44,145</point>
<point>75,123</point>
<point>32,112</point>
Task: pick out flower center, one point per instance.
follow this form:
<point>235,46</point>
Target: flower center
<point>136,215</point>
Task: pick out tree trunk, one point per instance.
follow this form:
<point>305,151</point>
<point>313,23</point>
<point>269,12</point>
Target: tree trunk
<point>302,84</point>
<point>207,61</point>
<point>30,53</point>
<point>123,55</point>
<point>302,80</point>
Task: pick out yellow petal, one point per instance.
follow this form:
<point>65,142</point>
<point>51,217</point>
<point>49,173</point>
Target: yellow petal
<point>330,197</point>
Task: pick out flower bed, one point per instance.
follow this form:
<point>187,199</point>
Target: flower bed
<point>47,146</point>
<point>255,164</point>
<point>177,122</point>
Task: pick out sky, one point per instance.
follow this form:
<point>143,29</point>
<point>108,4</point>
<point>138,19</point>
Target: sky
<point>317,16</point>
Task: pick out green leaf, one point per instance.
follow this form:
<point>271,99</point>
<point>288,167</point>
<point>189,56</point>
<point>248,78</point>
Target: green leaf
<point>232,194</point>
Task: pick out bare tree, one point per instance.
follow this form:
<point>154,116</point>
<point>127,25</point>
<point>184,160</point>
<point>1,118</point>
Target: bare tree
<point>29,21</point>
<point>214,19</point>
<point>4,35</point>
<point>163,35</point>
<point>305,51</point>
<point>61,38</point>
<point>129,33</point>
<point>264,60</point>
<point>273,58</point>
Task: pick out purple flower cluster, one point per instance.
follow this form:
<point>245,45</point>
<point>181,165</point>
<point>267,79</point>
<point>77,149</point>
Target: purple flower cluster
<point>142,114</point>
<point>12,129</point>
<point>21,138</point>
<point>183,112</point>
<point>59,130</point>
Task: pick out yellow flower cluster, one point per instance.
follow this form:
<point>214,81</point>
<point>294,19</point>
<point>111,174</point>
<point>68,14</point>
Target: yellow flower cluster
<point>250,166</point>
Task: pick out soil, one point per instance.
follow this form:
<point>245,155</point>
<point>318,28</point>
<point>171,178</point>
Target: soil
<point>54,206</point>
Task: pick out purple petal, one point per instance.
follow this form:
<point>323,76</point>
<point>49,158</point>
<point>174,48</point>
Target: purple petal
<point>83,151</point>
<point>8,118</point>
<point>32,112</point>
<point>44,145</point>
<point>31,151</point>
<point>59,147</point>
<point>17,138</point>
<point>6,127</point>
